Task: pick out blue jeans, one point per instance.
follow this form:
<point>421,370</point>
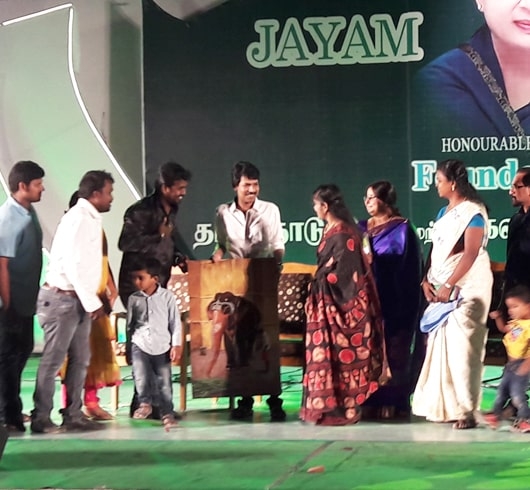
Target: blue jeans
<point>147,367</point>
<point>16,344</point>
<point>66,328</point>
<point>512,387</point>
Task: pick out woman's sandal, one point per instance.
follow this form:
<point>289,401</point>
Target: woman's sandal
<point>469,423</point>
<point>143,411</point>
<point>97,413</point>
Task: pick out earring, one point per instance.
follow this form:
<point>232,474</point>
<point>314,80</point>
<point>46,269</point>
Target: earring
<point>453,187</point>
<point>479,7</point>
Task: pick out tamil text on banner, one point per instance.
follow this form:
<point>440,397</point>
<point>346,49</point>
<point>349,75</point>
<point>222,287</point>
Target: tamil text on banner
<point>318,91</point>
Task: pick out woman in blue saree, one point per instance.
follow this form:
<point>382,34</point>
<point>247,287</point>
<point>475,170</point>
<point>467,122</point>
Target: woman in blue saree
<point>397,266</point>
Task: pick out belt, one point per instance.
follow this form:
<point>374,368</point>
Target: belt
<point>66,292</point>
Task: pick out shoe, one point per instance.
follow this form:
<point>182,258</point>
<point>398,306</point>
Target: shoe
<point>492,420</point>
<point>277,412</point>
<point>45,426</point>
<point>14,428</point>
<point>523,426</point>
<point>143,411</point>
<point>244,409</point>
<point>97,413</point>
<point>81,424</point>
<point>15,425</point>
<point>169,422</point>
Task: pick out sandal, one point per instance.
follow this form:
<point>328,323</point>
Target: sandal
<point>143,411</point>
<point>462,424</point>
<point>97,413</point>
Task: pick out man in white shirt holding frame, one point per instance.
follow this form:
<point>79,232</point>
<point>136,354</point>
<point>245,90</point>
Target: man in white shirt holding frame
<point>249,228</point>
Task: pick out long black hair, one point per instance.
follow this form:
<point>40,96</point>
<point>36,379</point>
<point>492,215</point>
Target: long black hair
<point>331,195</point>
<point>455,171</point>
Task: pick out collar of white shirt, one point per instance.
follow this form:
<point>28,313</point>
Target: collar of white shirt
<point>84,203</point>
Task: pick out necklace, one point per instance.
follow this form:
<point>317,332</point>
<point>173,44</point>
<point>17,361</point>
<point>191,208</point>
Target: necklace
<point>330,225</point>
<point>376,221</point>
<point>453,205</point>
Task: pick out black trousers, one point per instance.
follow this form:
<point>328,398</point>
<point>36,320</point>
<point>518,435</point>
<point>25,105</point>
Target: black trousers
<point>16,345</point>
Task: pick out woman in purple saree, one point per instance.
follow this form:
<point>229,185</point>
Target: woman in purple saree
<point>397,266</point>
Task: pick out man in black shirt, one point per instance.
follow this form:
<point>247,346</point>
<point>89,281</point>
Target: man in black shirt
<point>517,270</point>
<point>150,228</point>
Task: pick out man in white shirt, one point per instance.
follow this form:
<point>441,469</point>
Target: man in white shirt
<point>68,302</point>
<point>250,228</point>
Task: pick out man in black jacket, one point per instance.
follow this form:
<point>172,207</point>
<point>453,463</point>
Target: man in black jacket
<point>150,229</point>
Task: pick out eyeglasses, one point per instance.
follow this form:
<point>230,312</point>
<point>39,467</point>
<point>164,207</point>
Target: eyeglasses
<point>369,198</point>
<point>515,186</point>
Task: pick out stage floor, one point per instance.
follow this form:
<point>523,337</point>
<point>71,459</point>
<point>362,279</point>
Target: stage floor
<point>208,450</point>
<point>208,419</point>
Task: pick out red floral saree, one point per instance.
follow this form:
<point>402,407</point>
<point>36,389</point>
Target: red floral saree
<point>345,350</point>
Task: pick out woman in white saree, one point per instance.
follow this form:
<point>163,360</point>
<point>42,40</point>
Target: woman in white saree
<point>449,386</point>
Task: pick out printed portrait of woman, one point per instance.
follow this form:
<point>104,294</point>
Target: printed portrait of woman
<point>482,87</point>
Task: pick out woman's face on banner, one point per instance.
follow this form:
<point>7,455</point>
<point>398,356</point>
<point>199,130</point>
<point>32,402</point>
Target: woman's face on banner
<point>508,20</point>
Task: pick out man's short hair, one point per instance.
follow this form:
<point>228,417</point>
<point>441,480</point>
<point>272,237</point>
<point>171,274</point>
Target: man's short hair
<point>525,171</point>
<point>92,181</point>
<point>247,169</point>
<point>24,171</point>
<point>149,264</point>
<point>169,173</point>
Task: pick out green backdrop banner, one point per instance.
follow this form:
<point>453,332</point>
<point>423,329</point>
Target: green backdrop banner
<point>319,91</point>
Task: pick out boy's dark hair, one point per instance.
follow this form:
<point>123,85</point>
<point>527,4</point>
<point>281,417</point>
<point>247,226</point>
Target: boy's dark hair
<point>520,292</point>
<point>149,264</point>
<point>24,171</point>
<point>92,181</point>
<point>247,169</point>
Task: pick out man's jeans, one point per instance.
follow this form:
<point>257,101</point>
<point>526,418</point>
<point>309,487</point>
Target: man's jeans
<point>147,367</point>
<point>66,328</point>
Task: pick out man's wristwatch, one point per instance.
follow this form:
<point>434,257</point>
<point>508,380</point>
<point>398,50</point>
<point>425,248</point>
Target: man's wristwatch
<point>448,285</point>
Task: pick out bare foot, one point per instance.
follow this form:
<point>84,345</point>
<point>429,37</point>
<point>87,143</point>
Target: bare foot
<point>169,422</point>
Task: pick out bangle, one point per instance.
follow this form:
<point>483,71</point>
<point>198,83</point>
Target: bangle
<point>448,285</point>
